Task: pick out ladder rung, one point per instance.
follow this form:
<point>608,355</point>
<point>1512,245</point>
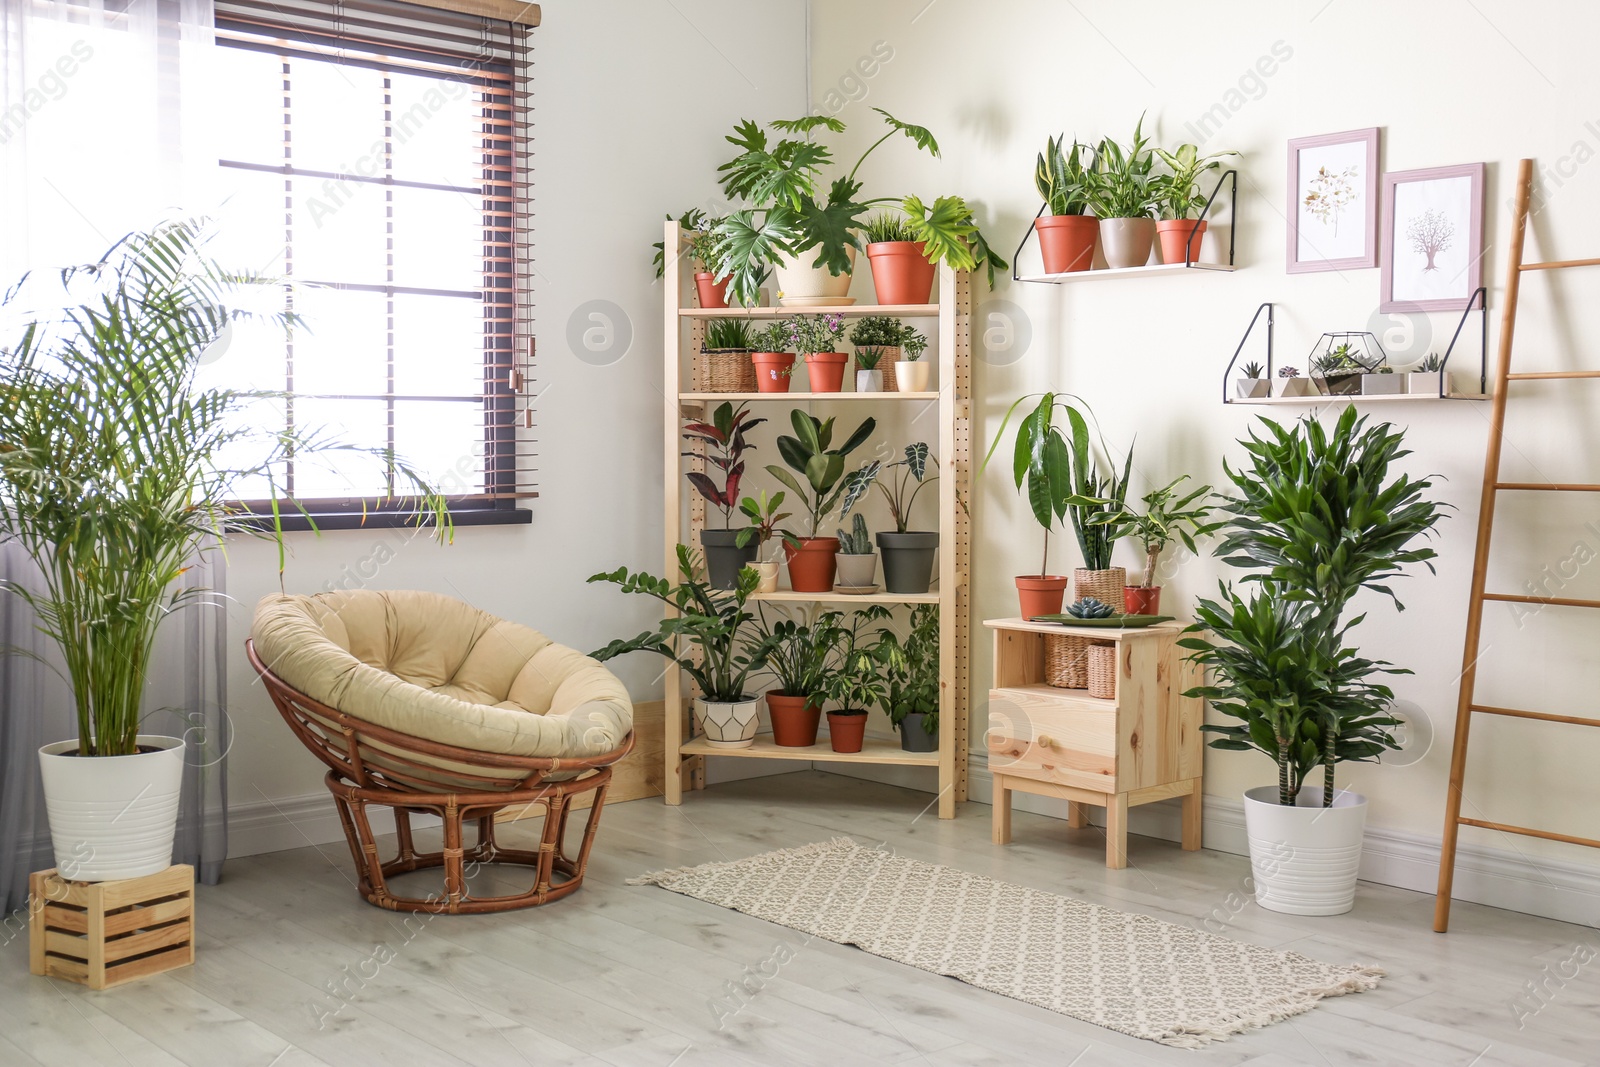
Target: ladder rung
<point>1558,264</point>
<point>1554,601</point>
<point>1551,375</point>
<point>1548,835</point>
<point>1550,487</point>
<point>1543,716</point>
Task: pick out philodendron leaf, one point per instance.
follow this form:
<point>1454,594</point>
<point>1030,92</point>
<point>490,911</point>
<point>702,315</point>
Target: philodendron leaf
<point>946,229</point>
<point>829,228</point>
<point>807,124</point>
<point>919,134</point>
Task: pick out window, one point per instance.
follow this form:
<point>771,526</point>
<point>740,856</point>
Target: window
<point>374,160</point>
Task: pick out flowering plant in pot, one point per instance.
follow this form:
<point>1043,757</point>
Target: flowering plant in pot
<point>724,444</point>
<point>1166,517</point>
<point>764,516</point>
<point>820,487</point>
<point>1316,517</point>
<point>816,338</point>
<point>1123,190</point>
<point>773,361</point>
<point>907,554</point>
<point>709,619</point>
<point>1067,232</point>
<point>854,682</point>
<point>1180,201</point>
<point>911,673</point>
<point>116,469</point>
<point>798,655</point>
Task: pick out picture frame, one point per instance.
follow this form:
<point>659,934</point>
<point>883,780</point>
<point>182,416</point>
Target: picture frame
<point>1333,202</point>
<point>1432,238</point>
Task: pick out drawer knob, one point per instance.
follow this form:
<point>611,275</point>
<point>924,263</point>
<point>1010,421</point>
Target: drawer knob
<point>1046,741</point>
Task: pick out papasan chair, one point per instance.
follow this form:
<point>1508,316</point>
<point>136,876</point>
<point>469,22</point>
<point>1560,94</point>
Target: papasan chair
<point>426,705</point>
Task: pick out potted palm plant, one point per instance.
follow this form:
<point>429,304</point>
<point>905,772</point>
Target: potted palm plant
<point>855,682</point>
<point>773,361</point>
<point>1067,232</point>
<point>723,440</point>
<point>911,674</point>
<point>809,454</point>
<point>764,528</point>
<point>713,621</point>
<point>116,469</point>
<point>1166,517</point>
<point>1180,201</point>
<point>907,554</point>
<point>798,656</point>
<point>1123,190</point>
<point>1317,517</point>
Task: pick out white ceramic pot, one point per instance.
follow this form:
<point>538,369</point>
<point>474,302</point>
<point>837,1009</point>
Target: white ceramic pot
<point>769,576</point>
<point>1295,387</point>
<point>802,285</point>
<point>112,816</point>
<point>1423,383</point>
<point>1252,388</point>
<point>911,375</point>
<point>869,381</point>
<point>856,572</point>
<point>1304,858</point>
<point>1382,384</point>
<point>728,725</point>
<point>1127,242</point>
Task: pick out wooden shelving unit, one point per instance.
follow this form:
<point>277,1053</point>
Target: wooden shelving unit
<point>683,391</point>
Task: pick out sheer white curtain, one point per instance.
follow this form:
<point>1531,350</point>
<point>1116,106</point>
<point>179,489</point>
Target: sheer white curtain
<point>101,133</point>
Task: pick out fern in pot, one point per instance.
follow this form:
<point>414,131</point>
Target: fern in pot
<point>116,469</point>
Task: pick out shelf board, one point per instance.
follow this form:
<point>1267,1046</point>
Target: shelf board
<point>848,311</point>
<point>1076,698</point>
<point>1098,633</point>
<point>1352,398</point>
<point>873,750</point>
<point>1109,273</point>
<point>789,596</point>
<point>700,398</point>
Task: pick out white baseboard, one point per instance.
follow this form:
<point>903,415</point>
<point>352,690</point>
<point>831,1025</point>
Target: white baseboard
<point>294,822</point>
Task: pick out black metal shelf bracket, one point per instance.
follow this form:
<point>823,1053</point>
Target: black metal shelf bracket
<point>1227,371</point>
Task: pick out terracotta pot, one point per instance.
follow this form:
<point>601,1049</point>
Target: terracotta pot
<point>911,375</point>
<point>846,730</point>
<point>1174,234</point>
<point>794,720</point>
<point>826,371</point>
<point>812,565</point>
<point>1067,242</point>
<point>712,295</point>
<point>901,273</point>
<point>802,285</point>
<point>1127,242</point>
<point>1041,595</point>
<point>772,371</point>
<point>1142,599</point>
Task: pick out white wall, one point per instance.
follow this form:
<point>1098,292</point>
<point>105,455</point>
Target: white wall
<point>1449,83</point>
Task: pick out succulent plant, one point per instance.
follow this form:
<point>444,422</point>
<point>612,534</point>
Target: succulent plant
<point>1252,370</point>
<point>1431,363</point>
<point>1089,608</point>
<point>1288,372</point>
<point>857,542</point>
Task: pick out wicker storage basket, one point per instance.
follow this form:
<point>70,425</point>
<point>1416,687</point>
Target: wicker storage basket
<point>1103,671</point>
<point>729,370</point>
<point>1066,661</point>
<point>1105,586</point>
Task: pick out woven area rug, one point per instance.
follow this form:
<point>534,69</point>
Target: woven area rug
<point>1130,973</point>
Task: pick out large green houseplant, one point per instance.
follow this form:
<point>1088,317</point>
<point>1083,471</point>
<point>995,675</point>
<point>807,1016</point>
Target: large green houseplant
<point>911,674</point>
<point>116,469</point>
<point>1067,231</point>
<point>1316,516</point>
<point>1123,189</point>
<point>823,485</point>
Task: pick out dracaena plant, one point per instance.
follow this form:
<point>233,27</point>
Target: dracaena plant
<point>809,453</point>
<point>725,445</point>
<point>1123,184</point>
<point>798,655</point>
<point>1179,195</point>
<point>117,466</point>
<point>1063,178</point>
<point>1165,517</point>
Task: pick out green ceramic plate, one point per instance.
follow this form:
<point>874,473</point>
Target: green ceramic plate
<point>1120,622</point>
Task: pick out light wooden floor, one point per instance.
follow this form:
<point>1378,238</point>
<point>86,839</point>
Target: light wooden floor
<point>629,975</point>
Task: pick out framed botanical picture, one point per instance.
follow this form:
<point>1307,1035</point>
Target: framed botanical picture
<point>1333,201</point>
<point>1432,238</point>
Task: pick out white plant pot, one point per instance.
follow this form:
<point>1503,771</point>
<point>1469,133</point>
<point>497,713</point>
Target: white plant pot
<point>869,381</point>
<point>728,725</point>
<point>802,285</point>
<point>1424,383</point>
<point>112,816</point>
<point>1304,858</point>
<point>911,375</point>
<point>769,577</point>
<point>856,572</point>
<point>1294,387</point>
<point>1252,388</point>
<point>1382,384</point>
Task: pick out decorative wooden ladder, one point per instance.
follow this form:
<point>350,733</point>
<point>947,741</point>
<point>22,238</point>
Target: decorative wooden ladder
<point>1492,487</point>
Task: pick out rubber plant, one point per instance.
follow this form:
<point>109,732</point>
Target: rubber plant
<point>822,467</point>
<point>725,445</point>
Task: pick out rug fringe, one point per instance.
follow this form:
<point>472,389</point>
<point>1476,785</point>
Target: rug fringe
<point>662,877</point>
<point>1359,980</point>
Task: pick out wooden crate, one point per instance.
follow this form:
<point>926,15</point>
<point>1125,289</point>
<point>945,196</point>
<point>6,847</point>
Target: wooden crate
<point>105,933</point>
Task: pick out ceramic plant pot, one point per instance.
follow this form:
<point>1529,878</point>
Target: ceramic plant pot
<point>1127,242</point>
<point>794,720</point>
<point>1041,594</point>
<point>847,730</point>
<point>802,285</point>
<point>908,560</point>
<point>769,577</point>
<point>1141,599</point>
<point>1424,383</point>
<point>1382,384</point>
<point>1066,242</point>
<point>773,370</point>
<point>914,735</point>
<point>1252,388</point>
<point>911,376</point>
<point>901,273</point>
<point>1175,244</point>
<point>856,572</point>
<point>813,564</point>
<point>1304,858</point>
<point>825,371</point>
<point>728,725</point>
<point>724,557</point>
<point>869,381</point>
<point>112,817</point>
<point>1294,387</point>
<point>712,294</point>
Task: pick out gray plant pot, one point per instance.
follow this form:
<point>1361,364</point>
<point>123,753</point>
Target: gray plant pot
<point>856,572</point>
<point>1252,388</point>
<point>1127,242</point>
<point>1424,383</point>
<point>1382,384</point>
<point>908,561</point>
<point>914,737</point>
<point>724,557</point>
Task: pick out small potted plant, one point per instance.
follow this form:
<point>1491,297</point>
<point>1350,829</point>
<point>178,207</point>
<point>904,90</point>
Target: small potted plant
<point>1123,190</point>
<point>773,361</point>
<point>869,373</point>
<point>901,272</point>
<point>1252,385</point>
<point>911,672</point>
<point>1096,494</point>
<point>910,371</point>
<point>877,340</point>
<point>816,338</point>
<point>764,516</point>
<point>708,248</point>
<point>713,621</point>
<point>1338,371</point>
<point>1165,516</point>
<point>855,683</point>
<point>723,439</point>
<point>1427,377</point>
<point>858,562</point>
<point>1382,381</point>
<point>1067,232</point>
<point>1291,384</point>
<point>798,657</point>
<point>907,554</point>
<point>820,487</point>
<point>1180,202</point>
<point>726,349</point>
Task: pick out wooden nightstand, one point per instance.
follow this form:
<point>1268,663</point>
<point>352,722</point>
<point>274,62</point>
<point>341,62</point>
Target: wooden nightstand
<point>1140,746</point>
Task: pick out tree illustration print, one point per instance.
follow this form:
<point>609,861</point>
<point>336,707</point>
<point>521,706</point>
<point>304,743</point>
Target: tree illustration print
<point>1430,233</point>
<point>1329,192</point>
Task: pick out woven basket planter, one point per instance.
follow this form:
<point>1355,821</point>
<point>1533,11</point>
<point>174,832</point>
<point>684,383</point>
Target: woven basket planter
<point>1103,671</point>
<point>729,370</point>
<point>1105,586</point>
<point>886,364</point>
<point>1066,661</point>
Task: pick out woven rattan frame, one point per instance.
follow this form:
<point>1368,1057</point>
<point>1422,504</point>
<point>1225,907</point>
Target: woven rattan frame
<point>356,783</point>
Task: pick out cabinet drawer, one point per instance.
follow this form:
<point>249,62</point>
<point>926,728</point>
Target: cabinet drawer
<point>1052,735</point>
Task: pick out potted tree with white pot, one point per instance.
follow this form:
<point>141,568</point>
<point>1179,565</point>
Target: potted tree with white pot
<point>115,471</point>
<point>1317,518</point>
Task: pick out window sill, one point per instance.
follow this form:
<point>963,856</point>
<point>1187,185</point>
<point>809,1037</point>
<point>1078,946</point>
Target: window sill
<point>380,520</point>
